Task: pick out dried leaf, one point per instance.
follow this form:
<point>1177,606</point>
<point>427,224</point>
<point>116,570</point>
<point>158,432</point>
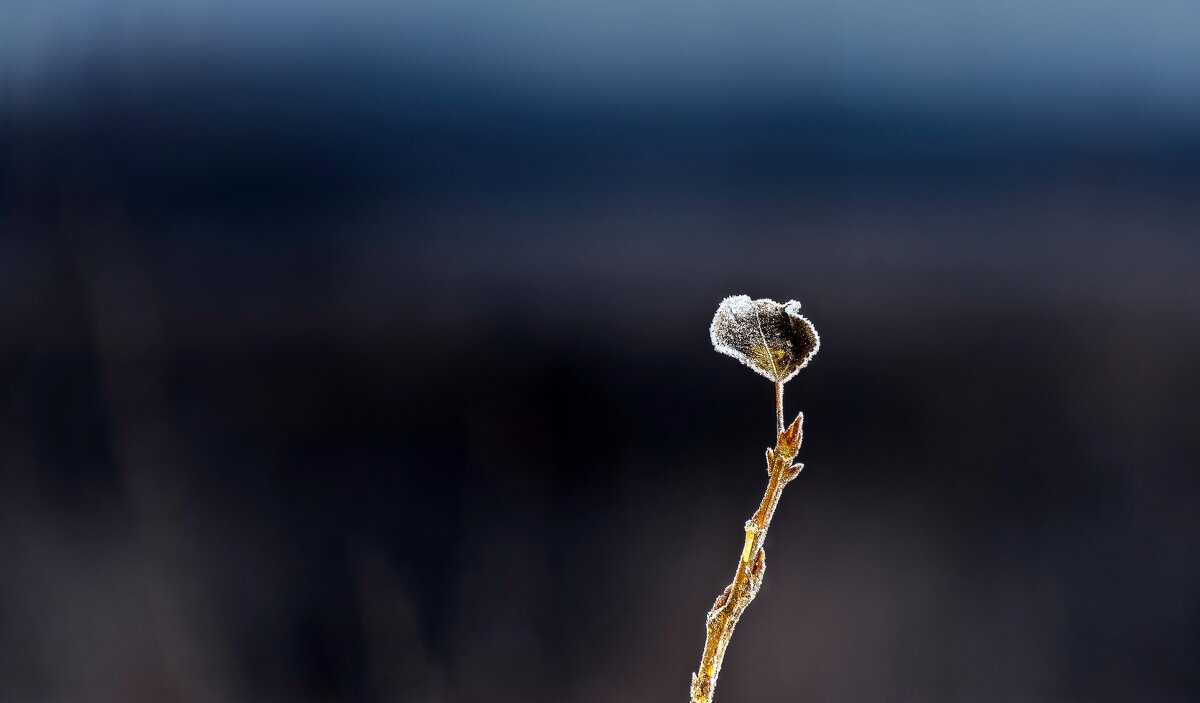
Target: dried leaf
<point>773,339</point>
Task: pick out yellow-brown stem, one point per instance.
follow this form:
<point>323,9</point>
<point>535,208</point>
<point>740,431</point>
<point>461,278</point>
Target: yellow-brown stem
<point>732,602</point>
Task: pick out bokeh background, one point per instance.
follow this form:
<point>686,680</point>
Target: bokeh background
<point>359,351</point>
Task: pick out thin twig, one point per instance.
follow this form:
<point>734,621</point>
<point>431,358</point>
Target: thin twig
<point>778,408</point>
<point>732,602</point>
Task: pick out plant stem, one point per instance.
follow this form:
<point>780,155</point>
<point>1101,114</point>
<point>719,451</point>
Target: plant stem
<point>732,602</point>
<point>778,408</point>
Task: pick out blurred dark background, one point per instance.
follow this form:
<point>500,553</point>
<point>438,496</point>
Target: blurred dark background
<point>359,351</point>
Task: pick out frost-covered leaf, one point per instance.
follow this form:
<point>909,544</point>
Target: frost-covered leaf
<point>773,339</point>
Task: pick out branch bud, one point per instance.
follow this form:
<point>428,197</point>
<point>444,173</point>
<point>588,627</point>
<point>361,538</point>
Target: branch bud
<point>789,439</point>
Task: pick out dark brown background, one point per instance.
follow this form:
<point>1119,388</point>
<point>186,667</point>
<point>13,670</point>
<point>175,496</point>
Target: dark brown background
<point>329,373</point>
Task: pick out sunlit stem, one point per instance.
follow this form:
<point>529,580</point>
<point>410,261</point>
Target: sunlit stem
<point>778,409</point>
<point>732,602</point>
